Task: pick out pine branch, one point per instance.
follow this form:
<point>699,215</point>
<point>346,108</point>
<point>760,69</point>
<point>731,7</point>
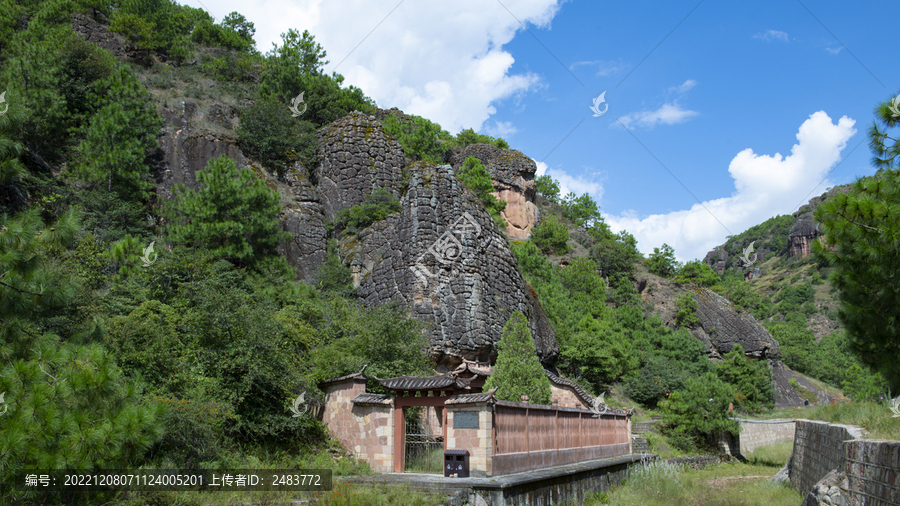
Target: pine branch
<point>860,224</point>
<point>20,290</point>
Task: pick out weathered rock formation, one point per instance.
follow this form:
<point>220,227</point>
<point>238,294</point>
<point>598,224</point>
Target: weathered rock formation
<point>443,256</point>
<point>716,260</point>
<point>93,31</point>
<point>723,326</point>
<point>513,175</point>
<point>802,235</point>
<point>356,157</point>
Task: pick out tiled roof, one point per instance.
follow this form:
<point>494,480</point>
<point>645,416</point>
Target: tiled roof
<point>357,375</point>
<point>476,368</point>
<point>472,398</point>
<point>439,382</point>
<point>582,394</point>
<point>376,399</point>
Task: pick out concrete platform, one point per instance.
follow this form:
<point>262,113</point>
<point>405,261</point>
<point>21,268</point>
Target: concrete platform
<point>550,485</point>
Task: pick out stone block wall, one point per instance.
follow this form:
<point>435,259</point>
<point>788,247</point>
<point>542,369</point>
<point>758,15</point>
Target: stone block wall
<point>479,442</point>
<point>757,433</point>
<point>818,449</point>
<point>873,469</point>
<point>366,430</point>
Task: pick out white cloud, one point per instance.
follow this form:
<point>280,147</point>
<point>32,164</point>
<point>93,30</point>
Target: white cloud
<point>684,88</point>
<point>574,184</point>
<point>604,67</point>
<point>770,35</point>
<point>667,114</point>
<point>834,51</point>
<point>440,60</point>
<point>765,186</point>
<point>504,129</point>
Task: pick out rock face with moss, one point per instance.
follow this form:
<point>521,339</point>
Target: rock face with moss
<point>356,157</point>
<point>513,175</point>
<point>444,257</point>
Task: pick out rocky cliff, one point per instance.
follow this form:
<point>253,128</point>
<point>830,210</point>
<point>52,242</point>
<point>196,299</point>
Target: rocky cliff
<point>513,175</point>
<point>442,255</point>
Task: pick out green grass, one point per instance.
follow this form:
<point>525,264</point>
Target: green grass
<point>776,455</point>
<point>804,392</point>
<point>429,462</point>
<point>724,484</point>
<point>347,494</point>
<point>874,417</point>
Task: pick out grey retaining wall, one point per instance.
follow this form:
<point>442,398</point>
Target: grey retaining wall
<point>818,448</point>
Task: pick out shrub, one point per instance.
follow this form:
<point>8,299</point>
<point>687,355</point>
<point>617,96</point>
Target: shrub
<point>686,311</point>
<point>551,236</point>
<point>334,276</point>
<point>269,133</point>
<point>750,378</point>
<point>697,272</point>
<point>470,136</point>
<point>662,261</point>
<point>376,207</point>
<point>693,415</point>
<point>476,178</point>
<point>421,139</point>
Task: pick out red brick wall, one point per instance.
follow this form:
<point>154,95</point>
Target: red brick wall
<point>565,396</point>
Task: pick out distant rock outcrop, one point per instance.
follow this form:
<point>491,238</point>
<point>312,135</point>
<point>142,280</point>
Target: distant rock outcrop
<point>802,235</point>
<point>723,326</point>
<point>513,175</point>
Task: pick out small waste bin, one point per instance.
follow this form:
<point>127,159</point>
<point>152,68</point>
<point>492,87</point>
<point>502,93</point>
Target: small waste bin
<point>456,462</point>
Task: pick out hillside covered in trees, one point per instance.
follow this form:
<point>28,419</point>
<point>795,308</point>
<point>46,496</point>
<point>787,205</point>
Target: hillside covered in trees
<point>183,252</point>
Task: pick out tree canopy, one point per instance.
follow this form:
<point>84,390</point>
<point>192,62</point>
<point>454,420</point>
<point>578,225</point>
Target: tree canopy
<point>517,371</point>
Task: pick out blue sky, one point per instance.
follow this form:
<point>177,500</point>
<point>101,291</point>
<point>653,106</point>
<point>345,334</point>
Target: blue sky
<point>720,114</point>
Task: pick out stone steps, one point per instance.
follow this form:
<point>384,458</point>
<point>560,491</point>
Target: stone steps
<point>639,445</point>
<point>644,427</point>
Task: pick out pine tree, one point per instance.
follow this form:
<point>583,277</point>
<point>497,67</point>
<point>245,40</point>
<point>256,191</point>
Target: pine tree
<point>861,229</point>
<point>119,135</point>
<point>234,214</point>
<point>66,405</point>
<point>518,371</point>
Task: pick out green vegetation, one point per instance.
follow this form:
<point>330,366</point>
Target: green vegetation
<point>551,236</point>
<point>518,371</point>
<point>686,311</point>
<point>548,188</point>
<point>662,261</point>
<point>694,414</point>
<point>860,227</point>
<point>421,139</point>
<point>751,380</point>
<point>469,136</point>
<point>476,178</point>
<point>662,484</point>
<point>269,133</point>
<point>698,273</point>
<point>376,207</point>
<point>233,214</point>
